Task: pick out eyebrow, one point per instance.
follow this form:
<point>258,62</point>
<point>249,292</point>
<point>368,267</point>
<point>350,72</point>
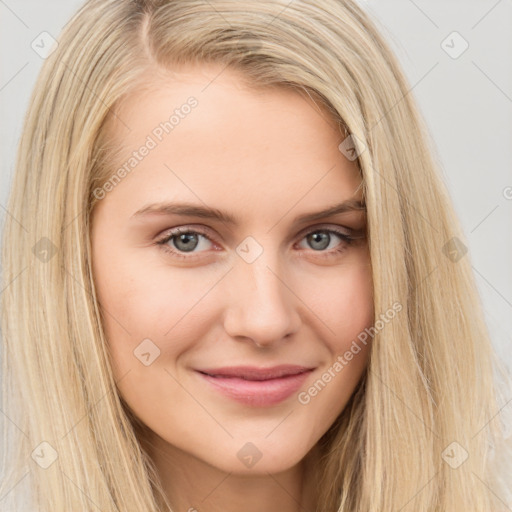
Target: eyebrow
<point>195,210</point>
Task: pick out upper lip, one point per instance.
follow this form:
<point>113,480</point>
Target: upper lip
<point>255,373</point>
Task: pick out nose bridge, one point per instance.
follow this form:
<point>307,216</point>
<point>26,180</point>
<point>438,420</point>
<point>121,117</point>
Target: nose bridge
<point>261,306</point>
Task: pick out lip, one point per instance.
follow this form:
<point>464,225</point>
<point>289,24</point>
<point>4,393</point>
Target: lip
<point>256,386</point>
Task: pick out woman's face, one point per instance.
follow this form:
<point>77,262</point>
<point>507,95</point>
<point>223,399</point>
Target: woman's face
<point>265,289</point>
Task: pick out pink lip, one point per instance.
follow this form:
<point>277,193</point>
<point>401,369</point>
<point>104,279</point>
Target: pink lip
<point>257,386</point>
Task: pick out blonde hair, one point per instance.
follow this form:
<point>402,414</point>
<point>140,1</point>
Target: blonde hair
<point>429,382</point>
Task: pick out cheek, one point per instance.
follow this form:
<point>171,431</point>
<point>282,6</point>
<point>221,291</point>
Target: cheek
<point>343,302</point>
<point>355,308</point>
<point>345,306</point>
<point>357,316</point>
<point>150,319</point>
<point>143,300</point>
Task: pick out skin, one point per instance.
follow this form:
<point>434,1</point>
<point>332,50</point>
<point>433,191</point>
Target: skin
<point>266,158</point>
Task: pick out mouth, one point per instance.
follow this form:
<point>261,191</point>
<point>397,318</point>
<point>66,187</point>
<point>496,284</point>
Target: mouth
<point>257,386</point>
<point>254,373</point>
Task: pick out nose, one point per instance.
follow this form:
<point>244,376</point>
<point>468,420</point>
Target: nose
<point>262,306</point>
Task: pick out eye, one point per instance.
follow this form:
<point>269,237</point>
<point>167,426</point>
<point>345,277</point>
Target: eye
<point>320,239</point>
<point>182,242</point>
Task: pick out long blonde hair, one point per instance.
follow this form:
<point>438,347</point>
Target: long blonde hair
<point>428,393</point>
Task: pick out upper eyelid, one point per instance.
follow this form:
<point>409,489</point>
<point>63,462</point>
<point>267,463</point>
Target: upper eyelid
<point>326,227</point>
<point>203,231</point>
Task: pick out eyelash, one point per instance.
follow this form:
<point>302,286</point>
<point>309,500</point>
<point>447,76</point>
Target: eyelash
<point>346,241</point>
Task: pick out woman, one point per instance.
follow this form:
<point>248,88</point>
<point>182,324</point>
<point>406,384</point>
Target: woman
<point>321,347</point>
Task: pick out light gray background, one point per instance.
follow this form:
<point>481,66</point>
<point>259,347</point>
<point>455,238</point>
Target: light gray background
<point>467,103</point>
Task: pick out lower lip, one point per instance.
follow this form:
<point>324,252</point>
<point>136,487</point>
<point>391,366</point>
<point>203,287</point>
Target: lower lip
<point>256,393</point>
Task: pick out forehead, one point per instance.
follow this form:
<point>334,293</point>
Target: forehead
<point>225,99</point>
<point>211,136</point>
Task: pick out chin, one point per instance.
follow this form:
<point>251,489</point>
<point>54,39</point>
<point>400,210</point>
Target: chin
<point>260,457</point>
